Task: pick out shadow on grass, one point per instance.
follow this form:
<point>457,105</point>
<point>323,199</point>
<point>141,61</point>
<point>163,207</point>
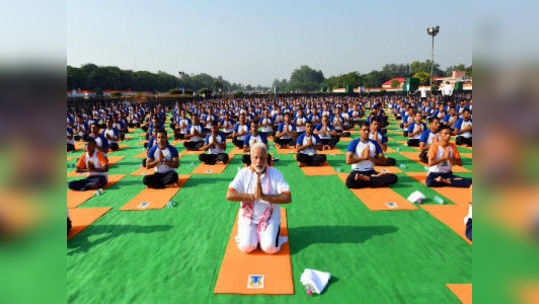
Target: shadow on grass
<point>303,237</point>
<point>80,243</point>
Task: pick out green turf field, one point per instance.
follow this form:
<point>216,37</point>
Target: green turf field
<point>173,255</point>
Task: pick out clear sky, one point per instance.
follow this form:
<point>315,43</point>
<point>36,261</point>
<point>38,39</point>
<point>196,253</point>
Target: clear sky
<point>255,42</point>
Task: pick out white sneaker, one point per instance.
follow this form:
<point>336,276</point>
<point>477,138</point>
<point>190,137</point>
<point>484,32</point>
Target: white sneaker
<point>282,240</point>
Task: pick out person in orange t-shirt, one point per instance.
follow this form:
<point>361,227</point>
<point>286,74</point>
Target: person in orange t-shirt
<point>442,156</point>
<point>96,164</point>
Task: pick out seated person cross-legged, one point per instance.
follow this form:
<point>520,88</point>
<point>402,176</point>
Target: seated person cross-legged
<point>252,138</point>
<point>194,135</point>
<point>215,144</point>
<point>241,129</point>
<point>96,164</point>
<point>442,156</point>
<point>428,137</point>
<point>463,129</point>
<point>328,136</point>
<point>286,132</point>
<point>361,155</point>
<point>261,190</point>
<point>381,140</point>
<point>414,131</point>
<point>306,146</point>
<point>164,158</point>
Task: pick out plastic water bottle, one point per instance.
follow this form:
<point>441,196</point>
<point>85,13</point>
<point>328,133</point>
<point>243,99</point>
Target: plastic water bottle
<point>171,204</point>
<point>309,289</point>
<point>402,166</point>
<point>398,149</point>
<point>439,200</point>
<point>99,192</point>
<point>338,169</point>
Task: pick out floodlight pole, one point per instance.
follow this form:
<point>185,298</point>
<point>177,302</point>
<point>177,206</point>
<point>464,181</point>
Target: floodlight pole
<point>432,31</point>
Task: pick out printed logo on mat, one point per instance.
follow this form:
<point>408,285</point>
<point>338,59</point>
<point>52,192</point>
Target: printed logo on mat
<point>255,281</point>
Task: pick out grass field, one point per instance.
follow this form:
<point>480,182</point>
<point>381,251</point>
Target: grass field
<point>173,255</point>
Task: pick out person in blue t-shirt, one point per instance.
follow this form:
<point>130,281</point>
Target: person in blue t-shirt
<point>164,158</point>
<point>463,129</point>
<point>362,154</point>
<point>306,146</point>
<point>215,145</point>
<point>415,129</point>
<point>286,132</point>
<point>252,138</point>
<point>428,137</point>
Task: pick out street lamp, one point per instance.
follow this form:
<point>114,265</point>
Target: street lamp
<point>432,31</point>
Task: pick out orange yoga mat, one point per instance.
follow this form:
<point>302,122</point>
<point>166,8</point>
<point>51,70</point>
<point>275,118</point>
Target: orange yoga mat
<point>143,171</point>
<point>459,196</point>
<point>211,169</point>
<point>387,169</point>
<point>178,142</point>
<point>346,139</point>
<point>390,150</point>
<point>76,198</point>
<point>465,147</point>
<point>79,145</point>
<point>141,143</point>
<point>71,158</point>
<point>405,143</point>
<point>187,152</point>
<point>120,148</point>
<point>237,266</point>
<point>285,151</point>
<point>462,291</point>
<point>468,155</point>
<point>323,170</point>
<point>331,151</point>
<point>155,198</point>
<point>415,157</point>
<point>236,150</point>
<point>450,215</point>
<point>81,218</point>
<point>142,154</point>
<point>115,159</point>
<point>377,199</point>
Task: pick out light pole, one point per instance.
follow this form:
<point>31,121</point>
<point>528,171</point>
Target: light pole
<point>432,31</point>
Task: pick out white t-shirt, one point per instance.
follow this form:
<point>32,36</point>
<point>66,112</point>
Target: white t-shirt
<point>464,125</point>
<point>357,147</point>
<point>219,139</point>
<point>272,183</point>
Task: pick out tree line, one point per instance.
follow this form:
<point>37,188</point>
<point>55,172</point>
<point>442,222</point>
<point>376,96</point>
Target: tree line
<point>98,78</point>
<point>307,79</point>
<point>302,79</point>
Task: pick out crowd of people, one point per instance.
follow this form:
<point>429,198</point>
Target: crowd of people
<point>305,124</point>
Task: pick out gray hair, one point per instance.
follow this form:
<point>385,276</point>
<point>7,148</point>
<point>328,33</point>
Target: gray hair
<point>259,145</point>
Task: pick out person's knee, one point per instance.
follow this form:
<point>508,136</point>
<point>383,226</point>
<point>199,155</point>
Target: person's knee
<point>72,185</point>
<point>146,180</point>
<point>246,247</point>
<point>269,247</point>
<point>429,182</point>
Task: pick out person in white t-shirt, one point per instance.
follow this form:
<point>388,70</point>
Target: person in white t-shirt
<point>215,144</point>
<point>261,190</point>
<point>362,154</point>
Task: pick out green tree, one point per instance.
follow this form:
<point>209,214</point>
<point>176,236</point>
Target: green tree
<point>306,79</point>
<point>418,66</point>
<point>423,77</point>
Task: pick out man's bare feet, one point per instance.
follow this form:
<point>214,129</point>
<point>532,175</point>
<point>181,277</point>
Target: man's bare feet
<point>364,178</point>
